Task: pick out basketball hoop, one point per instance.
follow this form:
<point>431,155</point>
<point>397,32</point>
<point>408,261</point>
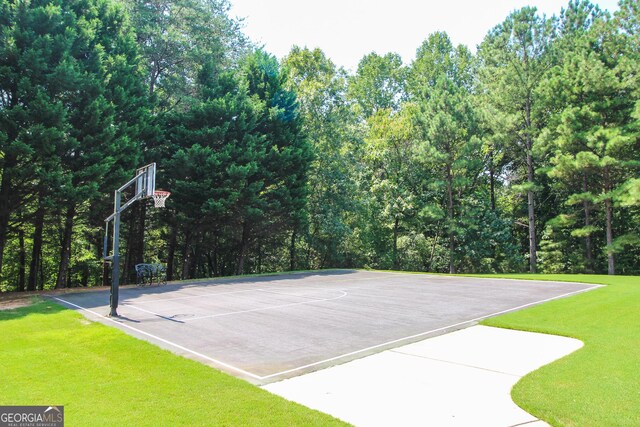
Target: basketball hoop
<point>159,197</point>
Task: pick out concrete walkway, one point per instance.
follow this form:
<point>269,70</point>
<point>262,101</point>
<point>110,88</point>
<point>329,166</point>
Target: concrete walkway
<point>460,379</point>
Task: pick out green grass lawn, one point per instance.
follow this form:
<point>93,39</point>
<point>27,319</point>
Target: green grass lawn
<point>599,385</point>
<point>103,377</point>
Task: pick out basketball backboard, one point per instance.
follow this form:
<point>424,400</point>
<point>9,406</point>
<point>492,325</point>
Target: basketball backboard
<point>146,180</point>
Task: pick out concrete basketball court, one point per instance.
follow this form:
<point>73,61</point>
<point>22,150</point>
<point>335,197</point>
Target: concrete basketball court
<point>266,329</point>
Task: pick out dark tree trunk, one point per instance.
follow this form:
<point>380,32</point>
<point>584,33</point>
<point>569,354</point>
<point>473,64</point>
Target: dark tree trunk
<point>452,248</point>
<point>36,251</point>
<point>105,273</point>
<point>452,237</point>
<point>609,218</point>
<point>493,191</point>
<point>173,241</point>
<point>587,222</point>
<point>5,205</point>
<point>41,280</point>
<point>244,249</point>
<point>65,250</point>
<point>22,258</point>
<point>135,240</point>
<point>433,251</point>
<point>259,257</point>
<point>104,276</point>
<point>492,181</point>
<point>609,222</point>
<point>292,252</point>
<point>533,256</point>
<point>396,226</point>
<point>186,255</point>
<point>84,281</point>
<point>9,161</point>
<point>211,271</point>
<point>195,262</point>
<point>310,245</point>
<point>587,240</point>
<point>216,260</point>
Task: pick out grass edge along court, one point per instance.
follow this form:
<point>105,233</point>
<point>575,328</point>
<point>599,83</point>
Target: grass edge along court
<point>55,356</point>
<point>598,384</point>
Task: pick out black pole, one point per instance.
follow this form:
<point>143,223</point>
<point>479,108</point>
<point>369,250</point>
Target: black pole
<point>115,261</point>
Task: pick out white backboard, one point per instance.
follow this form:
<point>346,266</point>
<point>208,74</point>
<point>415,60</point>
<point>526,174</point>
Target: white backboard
<point>146,180</point>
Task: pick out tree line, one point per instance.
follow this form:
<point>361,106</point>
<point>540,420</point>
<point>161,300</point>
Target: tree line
<point>521,156</point>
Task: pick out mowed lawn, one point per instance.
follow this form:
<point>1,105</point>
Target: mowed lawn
<point>599,385</point>
<point>53,356</point>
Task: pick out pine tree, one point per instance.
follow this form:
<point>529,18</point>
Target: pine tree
<point>442,76</point>
<point>515,56</point>
<point>71,66</point>
<point>277,191</point>
<point>240,163</point>
<point>593,133</point>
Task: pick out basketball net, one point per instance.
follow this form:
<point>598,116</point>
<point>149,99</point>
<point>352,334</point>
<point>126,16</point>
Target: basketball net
<point>159,197</point>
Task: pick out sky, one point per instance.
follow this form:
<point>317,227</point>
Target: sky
<point>346,30</point>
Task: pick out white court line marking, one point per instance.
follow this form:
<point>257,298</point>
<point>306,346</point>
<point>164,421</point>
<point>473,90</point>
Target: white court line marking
<point>272,307</point>
<point>150,312</point>
<point>353,353</point>
<point>207,295</point>
<point>298,295</point>
<point>273,282</point>
<point>169,317</point>
<point>499,279</point>
<point>195,353</point>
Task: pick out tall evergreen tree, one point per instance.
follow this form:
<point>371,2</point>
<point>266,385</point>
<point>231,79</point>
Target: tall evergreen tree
<point>277,191</point>
<point>443,75</point>
<point>104,72</point>
<point>33,124</point>
<point>515,56</point>
<point>593,132</point>
<point>573,26</point>
<point>240,163</point>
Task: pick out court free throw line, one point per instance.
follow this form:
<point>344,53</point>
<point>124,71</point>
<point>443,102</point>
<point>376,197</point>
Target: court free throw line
<point>272,307</point>
<point>206,295</point>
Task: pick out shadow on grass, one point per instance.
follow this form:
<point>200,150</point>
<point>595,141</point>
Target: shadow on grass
<point>37,307</point>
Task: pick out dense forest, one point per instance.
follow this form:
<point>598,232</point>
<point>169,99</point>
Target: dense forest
<point>521,156</point>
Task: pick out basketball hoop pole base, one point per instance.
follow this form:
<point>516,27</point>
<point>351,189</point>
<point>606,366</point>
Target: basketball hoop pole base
<point>115,287</point>
<point>115,261</point>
